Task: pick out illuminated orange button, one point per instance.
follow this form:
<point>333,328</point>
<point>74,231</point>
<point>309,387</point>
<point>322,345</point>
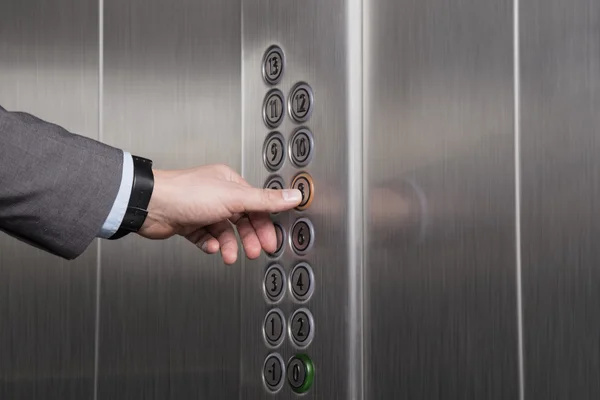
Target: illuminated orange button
<point>304,183</point>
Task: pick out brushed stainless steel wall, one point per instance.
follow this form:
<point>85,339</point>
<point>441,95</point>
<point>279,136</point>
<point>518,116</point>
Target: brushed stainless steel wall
<point>440,301</point>
<point>49,68</point>
<point>321,42</point>
<point>169,323</point>
<point>560,97</point>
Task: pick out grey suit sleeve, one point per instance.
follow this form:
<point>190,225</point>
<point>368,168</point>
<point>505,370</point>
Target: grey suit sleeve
<point>56,188</point>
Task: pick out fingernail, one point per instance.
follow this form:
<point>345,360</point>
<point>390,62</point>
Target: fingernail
<point>204,246</point>
<point>291,195</point>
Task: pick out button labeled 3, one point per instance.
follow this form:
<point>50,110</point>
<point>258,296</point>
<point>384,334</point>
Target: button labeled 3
<point>274,328</point>
<point>301,147</point>
<point>304,183</point>
<point>273,371</point>
<point>274,283</point>
<point>300,373</point>
<point>273,64</point>
<point>273,151</point>
<point>301,327</point>
<point>300,104</point>
<point>273,108</point>
<point>302,282</point>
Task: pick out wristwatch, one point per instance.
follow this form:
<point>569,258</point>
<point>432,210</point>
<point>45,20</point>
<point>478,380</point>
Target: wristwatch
<point>141,192</point>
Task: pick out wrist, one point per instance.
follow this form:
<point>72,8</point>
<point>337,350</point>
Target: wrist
<point>141,193</point>
<point>156,219</point>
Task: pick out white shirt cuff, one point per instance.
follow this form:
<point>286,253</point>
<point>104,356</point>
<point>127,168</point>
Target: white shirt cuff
<point>117,213</point>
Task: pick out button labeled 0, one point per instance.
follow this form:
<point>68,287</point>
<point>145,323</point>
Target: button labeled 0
<point>304,183</point>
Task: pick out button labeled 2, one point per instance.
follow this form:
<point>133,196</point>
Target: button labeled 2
<point>304,183</point>
<point>302,328</point>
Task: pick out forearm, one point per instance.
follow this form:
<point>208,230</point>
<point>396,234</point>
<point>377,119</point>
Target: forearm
<point>56,188</point>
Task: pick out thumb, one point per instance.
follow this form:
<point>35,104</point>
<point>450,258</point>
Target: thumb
<point>269,200</point>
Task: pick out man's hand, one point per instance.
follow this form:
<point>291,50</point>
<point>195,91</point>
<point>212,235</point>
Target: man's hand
<point>204,203</point>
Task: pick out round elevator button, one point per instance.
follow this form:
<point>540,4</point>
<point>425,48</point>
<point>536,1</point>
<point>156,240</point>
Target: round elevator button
<point>301,327</point>
<point>302,236</point>
<point>302,282</point>
<point>300,103</point>
<point>273,64</point>
<point>274,283</point>
<point>273,151</point>
<point>304,183</point>
<point>280,234</point>
<point>274,327</point>
<point>301,147</point>
<point>273,108</point>
<point>300,373</point>
<point>273,371</point>
<point>274,182</point>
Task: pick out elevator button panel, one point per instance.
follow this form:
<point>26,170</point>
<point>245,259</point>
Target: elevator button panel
<point>273,372</point>
<point>274,151</point>
<point>300,102</point>
<point>274,283</point>
<point>302,236</point>
<point>304,183</point>
<point>274,327</point>
<point>273,108</point>
<point>300,373</point>
<point>301,328</point>
<point>273,65</point>
<point>289,279</point>
<point>301,147</point>
<point>301,282</point>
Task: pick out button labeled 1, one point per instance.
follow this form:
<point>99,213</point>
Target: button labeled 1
<point>300,373</point>
<point>273,371</point>
<point>274,328</point>
<point>304,183</point>
<point>302,282</point>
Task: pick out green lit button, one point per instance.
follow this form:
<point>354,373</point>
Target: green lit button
<point>300,373</point>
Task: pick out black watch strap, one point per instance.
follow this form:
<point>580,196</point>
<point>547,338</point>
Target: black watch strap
<point>141,192</point>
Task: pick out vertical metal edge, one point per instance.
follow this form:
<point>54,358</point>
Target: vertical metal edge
<point>354,110</point>
<point>243,173</point>
<point>517,144</point>
<point>99,242</point>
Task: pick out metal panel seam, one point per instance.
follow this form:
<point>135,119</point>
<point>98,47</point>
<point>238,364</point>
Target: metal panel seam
<point>517,128</point>
<point>354,29</point>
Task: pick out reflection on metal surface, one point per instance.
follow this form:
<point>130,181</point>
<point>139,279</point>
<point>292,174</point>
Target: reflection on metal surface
<point>48,68</point>
<point>440,311</point>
